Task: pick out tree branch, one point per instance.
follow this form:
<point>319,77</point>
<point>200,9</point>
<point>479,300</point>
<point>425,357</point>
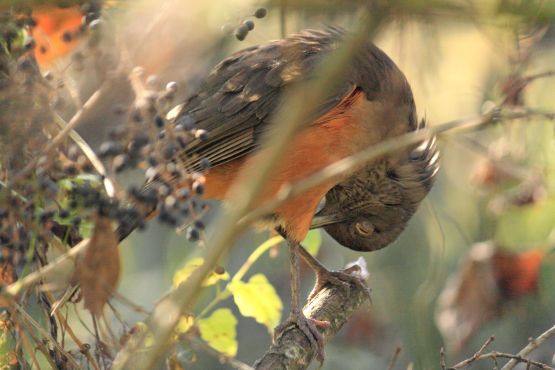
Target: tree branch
<point>292,350</point>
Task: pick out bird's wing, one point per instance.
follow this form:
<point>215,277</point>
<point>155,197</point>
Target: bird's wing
<point>235,103</point>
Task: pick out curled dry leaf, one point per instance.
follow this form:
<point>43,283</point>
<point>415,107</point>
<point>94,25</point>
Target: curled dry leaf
<point>98,267</point>
<point>7,273</point>
<point>476,294</point>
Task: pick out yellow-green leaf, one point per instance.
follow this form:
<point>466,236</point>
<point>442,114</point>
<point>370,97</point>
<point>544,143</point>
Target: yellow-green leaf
<point>258,299</point>
<point>183,273</point>
<point>219,330</point>
<point>185,323</point>
<point>312,242</point>
<point>137,333</point>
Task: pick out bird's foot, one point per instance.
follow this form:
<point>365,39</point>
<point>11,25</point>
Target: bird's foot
<point>309,327</point>
<point>343,279</point>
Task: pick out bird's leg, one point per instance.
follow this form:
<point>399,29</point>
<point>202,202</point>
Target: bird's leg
<point>324,276</point>
<point>296,316</point>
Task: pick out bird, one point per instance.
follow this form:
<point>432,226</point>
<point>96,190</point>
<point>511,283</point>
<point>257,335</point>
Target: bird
<point>365,209</point>
<point>370,103</point>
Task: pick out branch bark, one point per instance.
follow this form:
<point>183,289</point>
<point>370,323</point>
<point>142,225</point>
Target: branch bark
<point>292,350</point>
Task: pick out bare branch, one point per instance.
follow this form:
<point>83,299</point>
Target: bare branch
<point>532,346</point>
<point>476,356</point>
<point>292,350</point>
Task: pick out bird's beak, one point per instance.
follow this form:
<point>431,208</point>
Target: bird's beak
<point>325,220</point>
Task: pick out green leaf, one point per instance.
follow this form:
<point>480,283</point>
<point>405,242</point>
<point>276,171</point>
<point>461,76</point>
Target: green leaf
<point>528,225</point>
<point>219,330</point>
<point>183,273</point>
<point>312,242</point>
<point>257,299</point>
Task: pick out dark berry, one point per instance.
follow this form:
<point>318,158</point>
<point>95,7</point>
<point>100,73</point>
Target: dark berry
<point>152,161</point>
<point>192,234</point>
<point>120,162</point>
<point>249,24</point>
<point>184,193</point>
<point>198,188</point>
<point>187,122</point>
<point>63,213</point>
<point>70,170</point>
<point>260,13</point>
<point>169,151</point>
<point>199,224</point>
<point>158,121</point>
<point>204,164</point>
<point>241,32</point>
<point>167,218</point>
<point>139,141</point>
<point>201,134</point>
<point>109,149</point>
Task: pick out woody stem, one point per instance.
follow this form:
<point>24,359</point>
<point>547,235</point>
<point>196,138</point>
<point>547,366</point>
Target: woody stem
<point>295,276</point>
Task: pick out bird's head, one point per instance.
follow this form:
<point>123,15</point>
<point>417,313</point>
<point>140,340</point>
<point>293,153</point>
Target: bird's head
<point>369,211</point>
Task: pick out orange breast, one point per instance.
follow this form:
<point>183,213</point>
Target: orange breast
<point>313,148</point>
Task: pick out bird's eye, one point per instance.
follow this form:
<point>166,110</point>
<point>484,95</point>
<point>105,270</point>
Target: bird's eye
<point>364,228</point>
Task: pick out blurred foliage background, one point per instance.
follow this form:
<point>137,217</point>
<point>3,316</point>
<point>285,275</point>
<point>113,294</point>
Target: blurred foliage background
<point>496,185</point>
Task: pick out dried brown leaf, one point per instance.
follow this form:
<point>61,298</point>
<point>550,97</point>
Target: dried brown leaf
<point>470,298</point>
<point>97,269</point>
<point>476,294</point>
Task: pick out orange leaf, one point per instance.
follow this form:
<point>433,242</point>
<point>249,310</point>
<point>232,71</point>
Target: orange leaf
<point>97,269</point>
<point>51,25</point>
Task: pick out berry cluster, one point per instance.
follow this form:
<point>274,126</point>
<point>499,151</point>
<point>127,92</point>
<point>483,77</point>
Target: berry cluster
<point>242,30</point>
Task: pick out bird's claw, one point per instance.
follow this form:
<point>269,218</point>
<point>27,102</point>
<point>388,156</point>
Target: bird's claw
<point>343,279</point>
<point>309,327</point>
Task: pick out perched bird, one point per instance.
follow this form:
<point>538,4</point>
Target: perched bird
<point>372,102</point>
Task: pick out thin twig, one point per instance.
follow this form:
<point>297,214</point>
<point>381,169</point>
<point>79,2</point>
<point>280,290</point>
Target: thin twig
<point>494,355</point>
<point>29,348</point>
<point>82,348</point>
<point>200,345</point>
<point>476,356</point>
<point>350,163</point>
<point>44,333</point>
<point>77,118</point>
<point>532,346</point>
<point>394,358</point>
